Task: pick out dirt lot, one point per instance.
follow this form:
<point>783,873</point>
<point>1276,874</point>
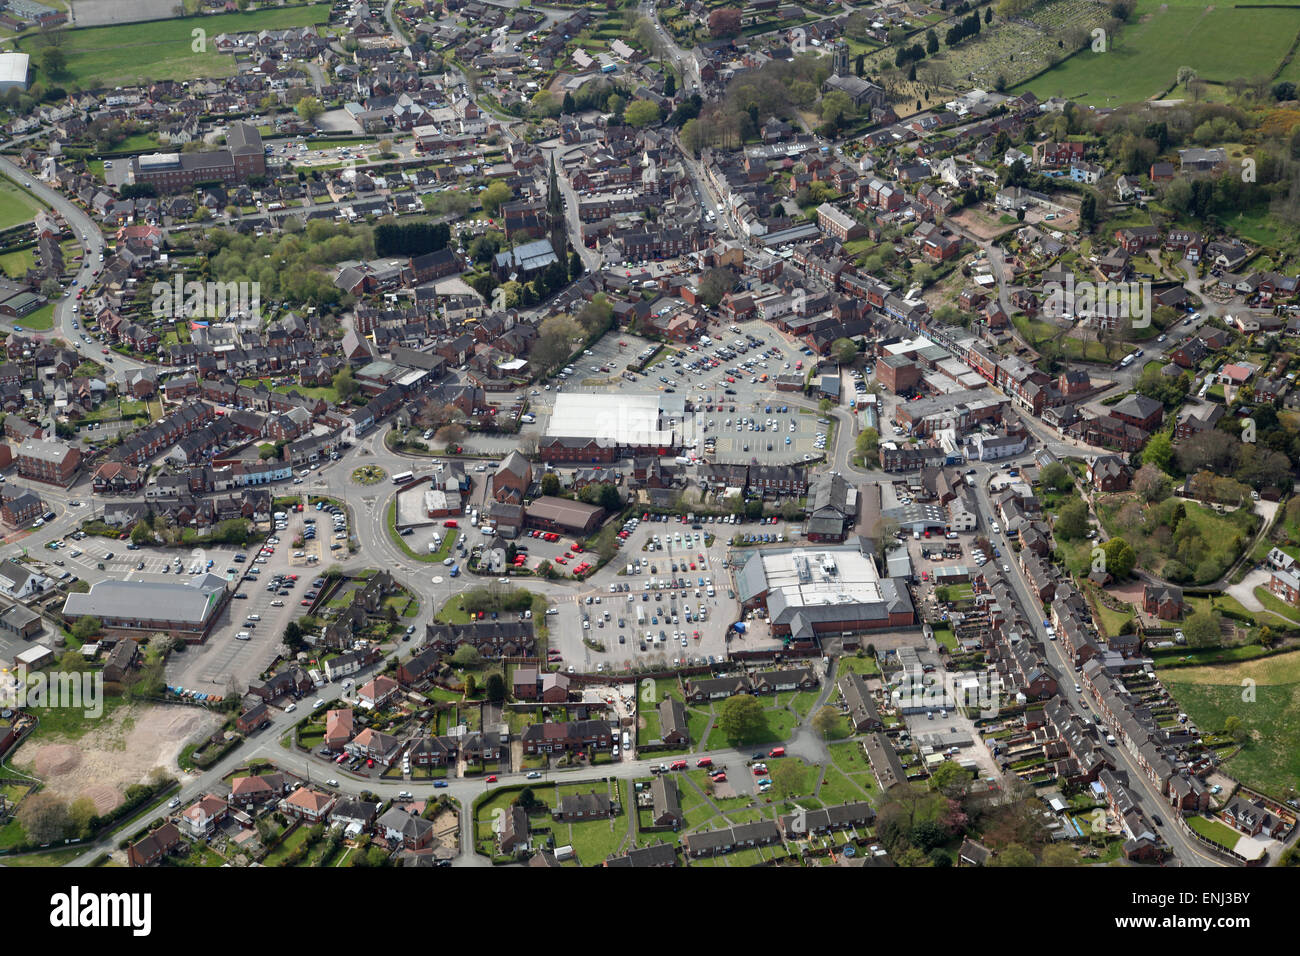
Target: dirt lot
<point>103,763</point>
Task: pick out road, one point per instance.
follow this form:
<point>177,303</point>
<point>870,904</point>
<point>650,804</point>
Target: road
<point>93,243</point>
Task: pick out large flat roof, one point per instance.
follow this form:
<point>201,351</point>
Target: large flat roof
<point>638,420</point>
<point>190,602</point>
<point>812,576</point>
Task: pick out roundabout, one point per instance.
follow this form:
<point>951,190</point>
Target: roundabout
<point>368,475</point>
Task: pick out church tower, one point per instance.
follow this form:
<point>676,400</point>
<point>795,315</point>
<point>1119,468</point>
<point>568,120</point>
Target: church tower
<point>840,61</point>
<point>555,215</point>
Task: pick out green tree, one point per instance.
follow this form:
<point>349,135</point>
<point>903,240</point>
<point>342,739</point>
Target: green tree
<point>1014,855</point>
<point>141,533</point>
<point>1159,451</point>
<point>642,113</point>
<point>345,385</point>
<point>54,61</point>
<point>844,350</point>
<point>826,721</point>
<point>1072,520</point>
<point>868,444</point>
<point>1057,477</point>
<point>494,196</point>
<point>741,717</point>
<point>86,627</point>
<point>495,686</point>
<point>1120,557</point>
<point>550,484</point>
<point>1202,629</point>
<point>309,108</point>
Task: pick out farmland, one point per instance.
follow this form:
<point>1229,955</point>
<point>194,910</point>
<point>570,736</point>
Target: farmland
<point>1142,61</point>
<point>133,53</point>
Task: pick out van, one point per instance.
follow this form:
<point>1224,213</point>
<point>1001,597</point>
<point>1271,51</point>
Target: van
<point>777,752</point>
<point>281,516</point>
<point>254,617</point>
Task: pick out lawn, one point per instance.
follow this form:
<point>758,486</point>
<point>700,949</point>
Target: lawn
<point>1142,59</point>
<point>1275,604</point>
<point>42,320</point>
<point>16,264</point>
<point>1220,833</point>
<point>837,788</point>
<point>859,665</point>
<point>1265,695</point>
<point>778,725</point>
<point>16,204</point>
<point>1208,549</point>
<point>134,53</point>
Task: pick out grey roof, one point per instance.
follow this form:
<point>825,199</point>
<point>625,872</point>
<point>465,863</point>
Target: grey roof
<point>190,602</point>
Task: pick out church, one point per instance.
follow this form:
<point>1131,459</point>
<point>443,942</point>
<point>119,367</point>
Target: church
<point>863,93</point>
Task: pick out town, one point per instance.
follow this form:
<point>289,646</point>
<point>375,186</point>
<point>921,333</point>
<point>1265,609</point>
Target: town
<point>458,433</point>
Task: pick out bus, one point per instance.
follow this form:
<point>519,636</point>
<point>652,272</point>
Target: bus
<point>403,477</point>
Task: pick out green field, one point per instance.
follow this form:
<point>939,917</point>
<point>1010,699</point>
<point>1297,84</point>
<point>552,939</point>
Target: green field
<point>42,320</point>
<point>16,204</point>
<point>16,264</point>
<point>1269,709</point>
<point>1221,43</point>
<point>133,53</point>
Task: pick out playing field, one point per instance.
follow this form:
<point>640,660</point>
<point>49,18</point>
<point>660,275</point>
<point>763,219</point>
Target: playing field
<point>162,49</point>
<point>1221,43</point>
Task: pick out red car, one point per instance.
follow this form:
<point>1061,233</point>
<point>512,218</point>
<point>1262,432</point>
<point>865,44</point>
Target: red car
<point>450,524</point>
<point>370,762</point>
<point>305,603</point>
<point>492,779</point>
<point>719,777</point>
<point>704,762</point>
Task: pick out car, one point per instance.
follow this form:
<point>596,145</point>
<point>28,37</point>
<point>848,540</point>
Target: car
<point>492,778</point>
<point>534,775</point>
<point>331,783</point>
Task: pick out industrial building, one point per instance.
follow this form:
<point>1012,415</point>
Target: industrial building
<point>814,593</point>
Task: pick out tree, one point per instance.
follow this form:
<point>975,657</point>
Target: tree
<point>844,350</point>
<point>1060,855</point>
<point>868,444</point>
<point>716,283</point>
<point>724,22</point>
<point>949,778</point>
<point>550,484</point>
<point>467,656</point>
<point>141,533</point>
<point>54,61</point>
<point>741,717</point>
<point>494,196</point>
<point>1202,629</point>
<point>1072,520</point>
<point>86,627</point>
<point>1057,477</point>
<point>1152,483</point>
<point>309,108</point>
<point>1120,557</point>
<point>495,687</point>
<point>44,817</point>
<point>1014,855</point>
<point>1159,452</point>
<point>642,113</point>
<point>826,721</point>
<point>345,385</point>
<point>471,685</point>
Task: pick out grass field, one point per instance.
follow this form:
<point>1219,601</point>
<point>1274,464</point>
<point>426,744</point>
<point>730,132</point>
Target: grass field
<point>16,264</point>
<point>1220,43</point>
<point>16,204</point>
<point>42,320</point>
<point>133,53</point>
<point>1265,695</point>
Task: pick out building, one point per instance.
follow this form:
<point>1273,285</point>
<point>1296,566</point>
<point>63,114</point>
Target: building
<point>1163,601</point>
<point>185,609</point>
<point>833,591</point>
<point>13,71</point>
<point>49,461</point>
<point>243,157</point>
<point>562,515</point>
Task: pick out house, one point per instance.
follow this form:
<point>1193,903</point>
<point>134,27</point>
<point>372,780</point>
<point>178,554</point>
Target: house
<point>338,729</point>
<point>153,847</point>
<point>717,842</point>
<point>407,830</point>
<point>203,815</point>
<point>1163,601</point>
<point>512,836</point>
<point>666,803</point>
<point>307,804</point>
<point>861,706</point>
<point>1109,473</point>
<point>805,823</point>
<point>584,806</point>
<point>378,692</point>
<point>674,730</point>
